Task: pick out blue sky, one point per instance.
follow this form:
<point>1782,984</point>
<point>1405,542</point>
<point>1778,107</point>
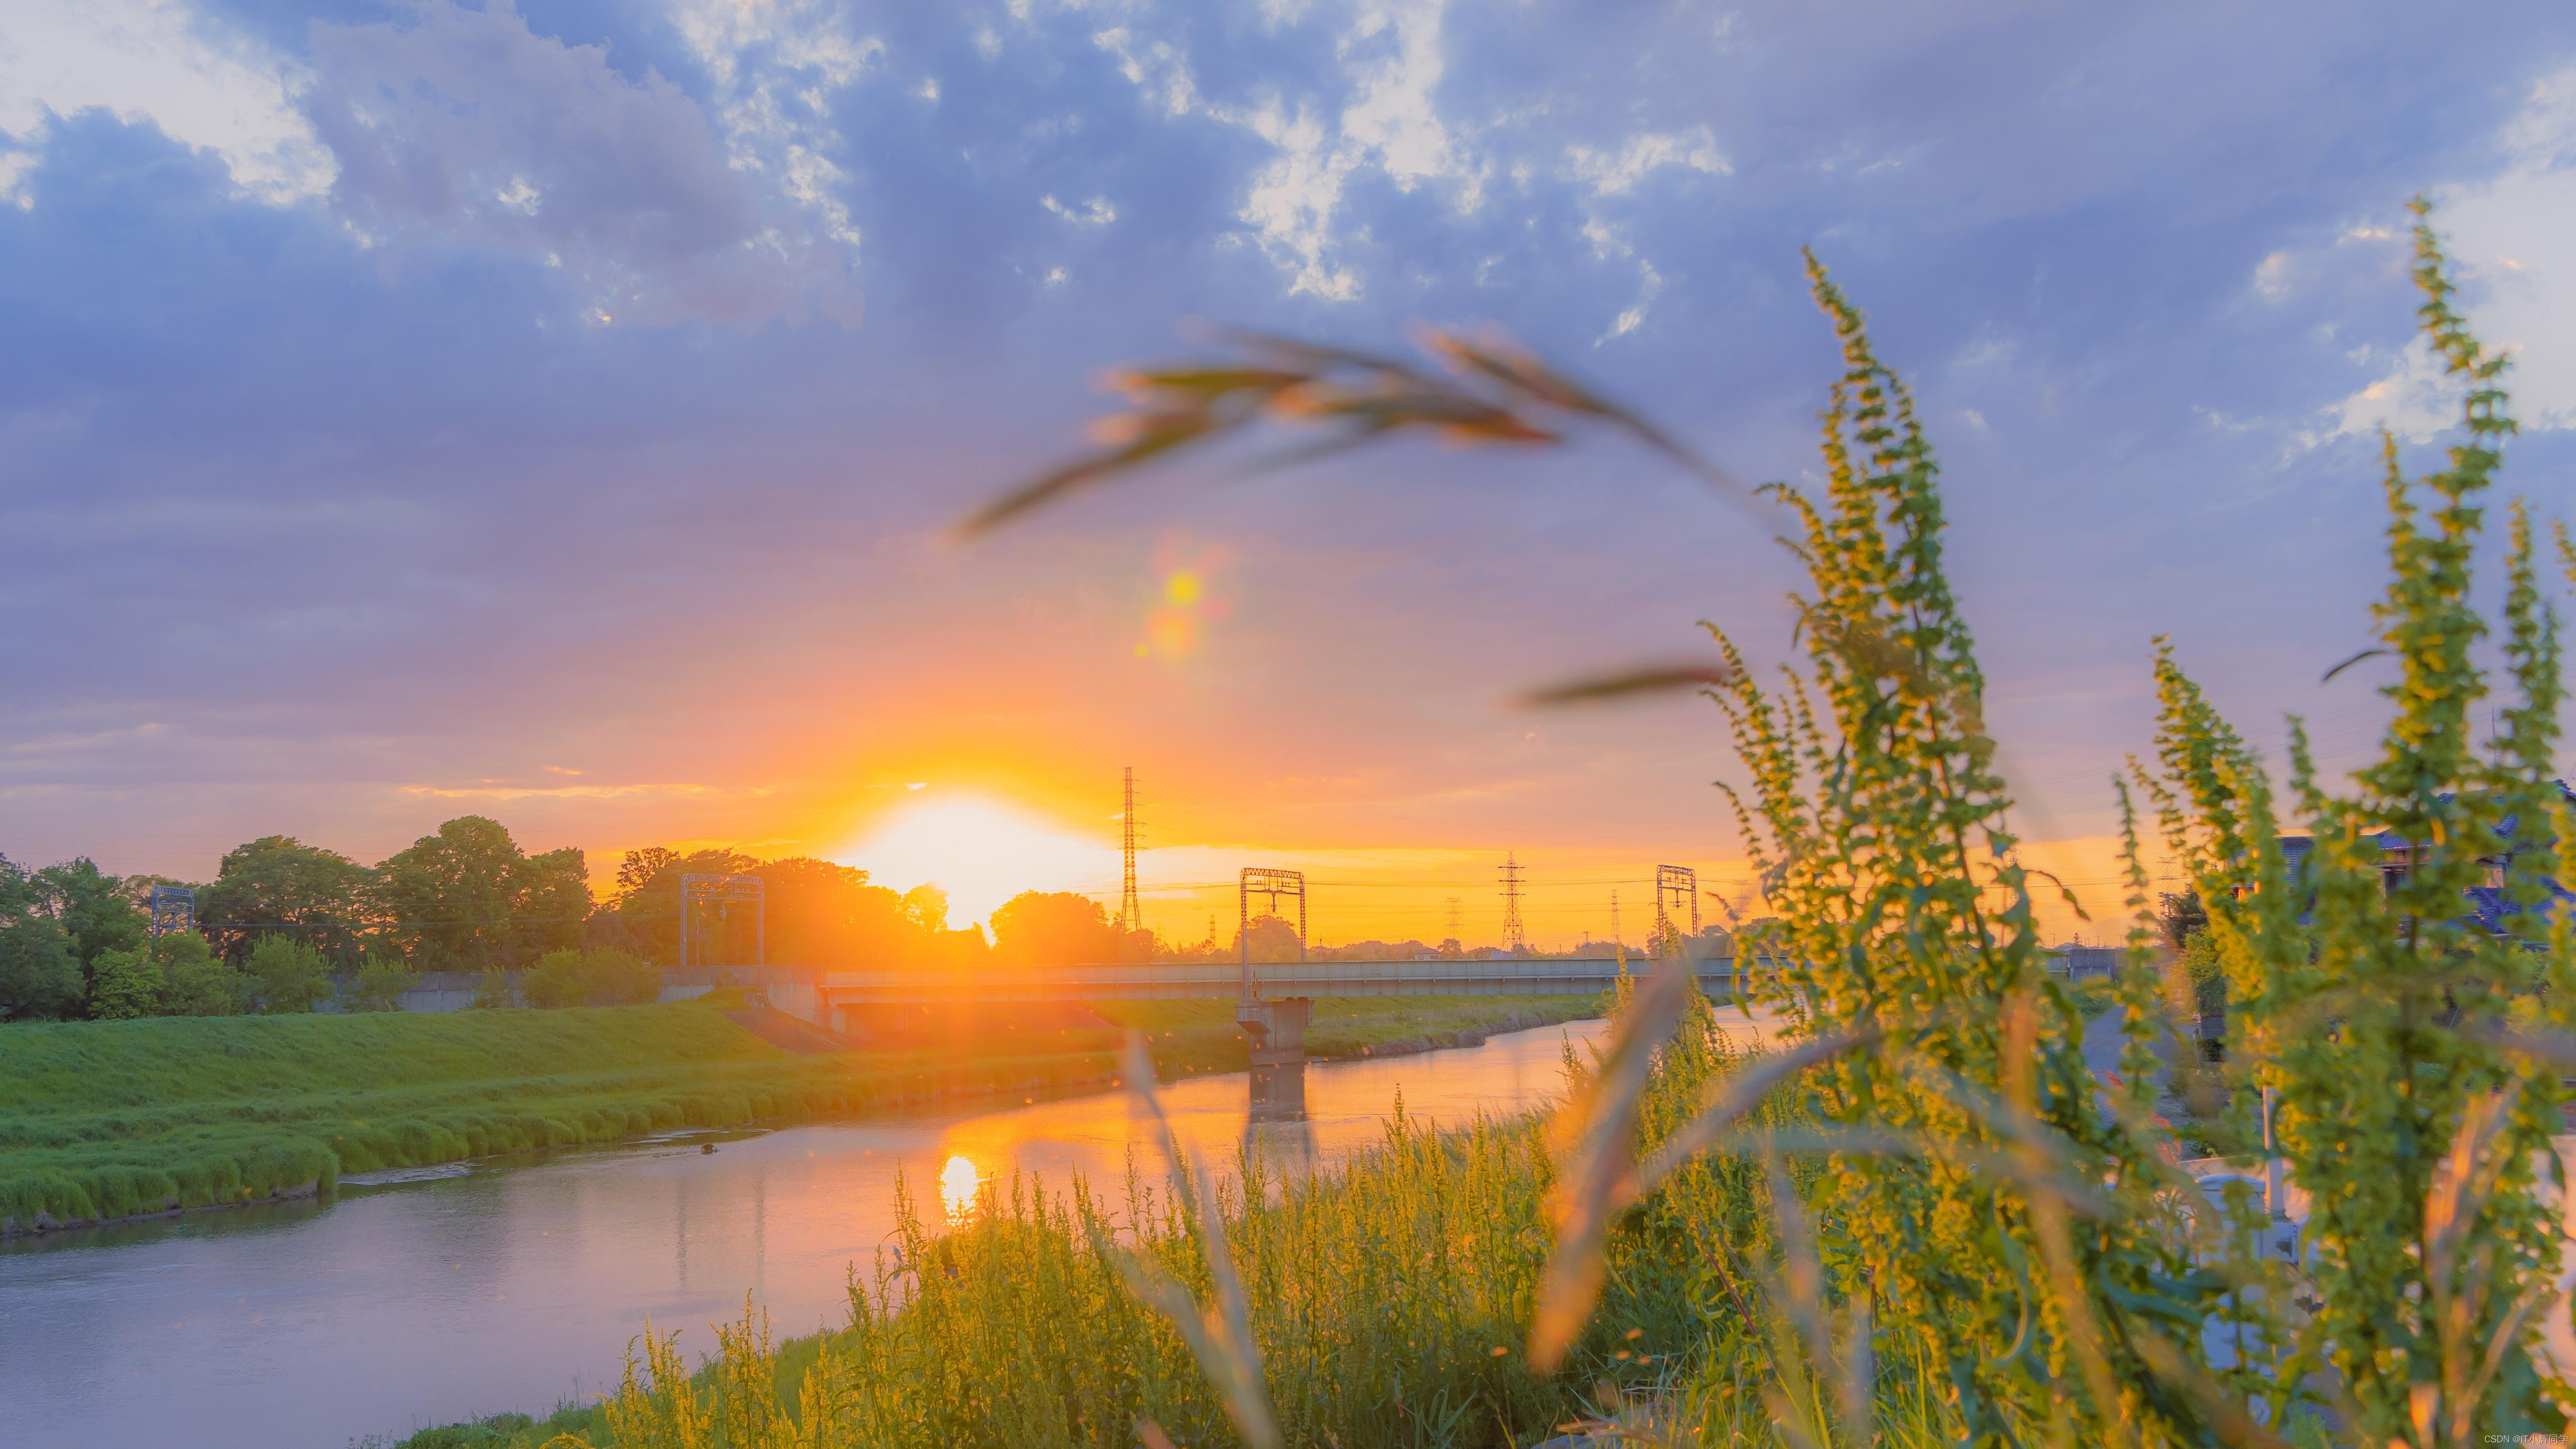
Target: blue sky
<point>553,411</point>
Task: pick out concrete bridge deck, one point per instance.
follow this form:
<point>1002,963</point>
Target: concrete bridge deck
<point>1224,980</point>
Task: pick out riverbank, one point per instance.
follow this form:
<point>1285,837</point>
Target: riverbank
<point>1389,1300</point>
<point>102,1121</point>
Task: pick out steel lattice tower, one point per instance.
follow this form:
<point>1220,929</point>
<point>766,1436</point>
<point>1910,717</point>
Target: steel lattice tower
<point>1131,916</point>
<point>1514,938</point>
<point>1676,890</point>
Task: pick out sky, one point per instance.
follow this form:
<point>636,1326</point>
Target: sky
<point>558,411</point>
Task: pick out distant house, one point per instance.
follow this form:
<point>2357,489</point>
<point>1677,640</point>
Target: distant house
<point>2397,856</point>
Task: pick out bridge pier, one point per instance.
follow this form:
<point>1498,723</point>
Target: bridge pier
<point>1277,1029</point>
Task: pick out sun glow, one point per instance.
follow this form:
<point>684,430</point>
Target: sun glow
<point>981,852</point>
<point>957,1184</point>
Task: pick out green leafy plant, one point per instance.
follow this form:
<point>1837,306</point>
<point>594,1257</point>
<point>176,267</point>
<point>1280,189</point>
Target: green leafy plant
<point>1978,1212</point>
<point>382,979</point>
<point>2376,1007</point>
<point>590,978</point>
<point>124,985</point>
<point>194,980</point>
<point>286,975</point>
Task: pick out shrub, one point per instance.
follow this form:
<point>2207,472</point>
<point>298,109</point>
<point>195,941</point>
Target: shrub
<point>590,978</point>
<point>124,985</point>
<point>194,980</point>
<point>381,981</point>
<point>286,975</point>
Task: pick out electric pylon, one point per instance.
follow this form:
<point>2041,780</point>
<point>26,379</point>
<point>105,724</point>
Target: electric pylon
<point>1514,938</point>
<point>1457,933</point>
<point>1131,916</point>
<point>1676,887</point>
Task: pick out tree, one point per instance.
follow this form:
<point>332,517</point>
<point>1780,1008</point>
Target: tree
<point>1274,941</point>
<point>92,908</point>
<point>124,984</point>
<point>39,977</point>
<point>194,980</point>
<point>278,880</point>
<point>467,897</point>
<point>554,900</point>
<point>287,976</point>
<point>640,866</point>
<point>925,906</point>
<point>648,901</point>
<point>1052,928</point>
<point>2179,918</point>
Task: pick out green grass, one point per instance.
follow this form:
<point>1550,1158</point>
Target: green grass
<point>1390,1301</point>
<point>101,1120</point>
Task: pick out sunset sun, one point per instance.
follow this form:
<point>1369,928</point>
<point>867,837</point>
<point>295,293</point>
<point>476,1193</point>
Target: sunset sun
<point>981,851</point>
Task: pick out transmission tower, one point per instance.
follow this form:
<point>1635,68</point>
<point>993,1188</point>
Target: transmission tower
<point>1514,938</point>
<point>1456,932</point>
<point>723,893</point>
<point>1131,916</point>
<point>1676,891</point>
<point>1614,918</point>
<point>1259,881</point>
<point>173,908</point>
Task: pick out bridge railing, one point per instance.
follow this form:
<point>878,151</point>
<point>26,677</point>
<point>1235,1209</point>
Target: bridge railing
<point>1510,976</point>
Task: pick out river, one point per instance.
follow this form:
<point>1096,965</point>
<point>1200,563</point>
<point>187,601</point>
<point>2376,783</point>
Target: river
<point>515,1284</point>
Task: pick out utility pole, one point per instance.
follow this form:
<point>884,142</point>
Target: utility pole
<point>1514,938</point>
<point>1131,916</point>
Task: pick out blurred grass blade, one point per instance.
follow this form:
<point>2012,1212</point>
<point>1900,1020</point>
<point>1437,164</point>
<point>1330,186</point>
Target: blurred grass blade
<point>2328,677</point>
<point>1597,1134</point>
<point>1520,371</point>
<point>1155,434</point>
<point>1731,1096</point>
<point>2225,1415</point>
<point>1643,679</point>
<point>1219,1333</point>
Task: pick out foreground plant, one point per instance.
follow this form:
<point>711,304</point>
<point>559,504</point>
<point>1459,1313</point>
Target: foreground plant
<point>1985,1209</point>
<point>2391,1021</point>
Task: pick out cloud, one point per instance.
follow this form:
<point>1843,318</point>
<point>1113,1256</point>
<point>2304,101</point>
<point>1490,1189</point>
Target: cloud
<point>155,60</point>
<point>1617,173</point>
<point>329,488</point>
<point>466,127</point>
<point>2511,234</point>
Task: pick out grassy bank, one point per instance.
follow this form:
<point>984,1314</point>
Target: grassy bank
<point>1391,1300</point>
<point>101,1120</point>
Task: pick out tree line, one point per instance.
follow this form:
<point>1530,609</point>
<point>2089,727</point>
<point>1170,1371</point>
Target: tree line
<point>281,919</point>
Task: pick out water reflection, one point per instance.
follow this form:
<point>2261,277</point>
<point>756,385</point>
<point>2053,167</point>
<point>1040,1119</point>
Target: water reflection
<point>1278,1093</point>
<point>514,1286</point>
<point>957,1184</point>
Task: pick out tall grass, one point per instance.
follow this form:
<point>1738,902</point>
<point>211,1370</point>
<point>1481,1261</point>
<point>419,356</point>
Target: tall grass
<point>1389,1301</point>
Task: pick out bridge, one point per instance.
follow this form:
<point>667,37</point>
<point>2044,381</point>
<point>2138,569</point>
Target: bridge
<point>1273,1002</point>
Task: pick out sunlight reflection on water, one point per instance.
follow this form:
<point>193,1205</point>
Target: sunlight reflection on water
<point>957,1184</point>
